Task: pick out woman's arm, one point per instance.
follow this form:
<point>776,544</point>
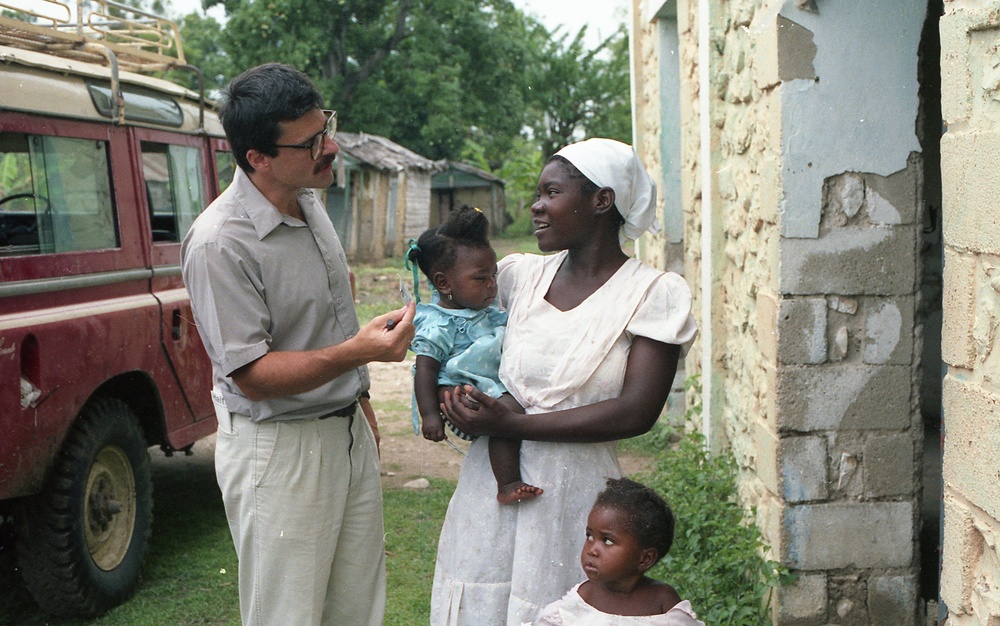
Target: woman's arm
<point>425,388</point>
<point>649,374</point>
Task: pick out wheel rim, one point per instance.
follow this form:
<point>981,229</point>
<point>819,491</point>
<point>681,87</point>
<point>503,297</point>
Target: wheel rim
<point>110,507</point>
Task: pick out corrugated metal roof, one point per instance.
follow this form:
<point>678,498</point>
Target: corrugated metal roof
<point>470,169</point>
<point>457,175</point>
<point>384,154</point>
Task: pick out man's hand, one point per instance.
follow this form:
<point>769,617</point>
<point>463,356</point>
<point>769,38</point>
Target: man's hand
<point>389,341</point>
<point>285,373</point>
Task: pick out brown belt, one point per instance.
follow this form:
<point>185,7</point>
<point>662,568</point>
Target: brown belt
<point>347,411</point>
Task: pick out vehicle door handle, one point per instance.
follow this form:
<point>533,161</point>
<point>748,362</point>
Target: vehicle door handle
<point>175,325</point>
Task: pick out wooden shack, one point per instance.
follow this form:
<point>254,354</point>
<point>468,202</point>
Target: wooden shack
<point>381,197</point>
<point>460,183</point>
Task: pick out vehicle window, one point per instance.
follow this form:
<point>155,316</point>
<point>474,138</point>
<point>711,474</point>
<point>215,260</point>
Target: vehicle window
<point>225,168</point>
<point>140,106</point>
<point>174,188</point>
<point>50,198</point>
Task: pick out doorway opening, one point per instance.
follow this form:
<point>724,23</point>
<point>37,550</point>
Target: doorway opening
<point>930,127</point>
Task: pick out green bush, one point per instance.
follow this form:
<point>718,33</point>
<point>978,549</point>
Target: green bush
<point>521,225</point>
<point>717,559</point>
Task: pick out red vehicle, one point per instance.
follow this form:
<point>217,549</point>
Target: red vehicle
<point>102,170</point>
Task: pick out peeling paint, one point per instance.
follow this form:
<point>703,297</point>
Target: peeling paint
<point>880,210</point>
<point>796,51</point>
<point>858,115</point>
<point>883,331</point>
<point>848,465</point>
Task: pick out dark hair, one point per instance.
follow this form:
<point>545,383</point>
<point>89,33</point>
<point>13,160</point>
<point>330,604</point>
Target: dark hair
<point>257,100</point>
<point>437,248</point>
<point>649,518</point>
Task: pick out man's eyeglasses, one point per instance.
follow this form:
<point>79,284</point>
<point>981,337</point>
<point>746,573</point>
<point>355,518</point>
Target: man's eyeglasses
<point>315,145</point>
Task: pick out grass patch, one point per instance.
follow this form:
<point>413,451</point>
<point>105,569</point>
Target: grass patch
<point>412,524</point>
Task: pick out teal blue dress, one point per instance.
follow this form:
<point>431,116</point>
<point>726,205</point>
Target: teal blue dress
<point>466,343</point>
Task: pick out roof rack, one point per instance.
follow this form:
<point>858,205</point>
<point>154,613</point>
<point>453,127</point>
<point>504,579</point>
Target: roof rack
<point>98,31</point>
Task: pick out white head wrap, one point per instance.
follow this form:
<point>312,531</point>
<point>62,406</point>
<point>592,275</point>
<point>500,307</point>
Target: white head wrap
<point>610,163</point>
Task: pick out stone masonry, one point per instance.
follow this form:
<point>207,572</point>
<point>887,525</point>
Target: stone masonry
<point>815,346</point>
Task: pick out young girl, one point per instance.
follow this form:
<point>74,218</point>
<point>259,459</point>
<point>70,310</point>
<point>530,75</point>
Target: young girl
<point>459,337</point>
<point>630,528</point>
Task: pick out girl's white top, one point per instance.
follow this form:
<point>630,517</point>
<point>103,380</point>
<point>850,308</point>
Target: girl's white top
<point>572,610</point>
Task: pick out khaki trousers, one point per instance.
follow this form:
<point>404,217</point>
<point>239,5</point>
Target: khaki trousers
<point>304,503</point>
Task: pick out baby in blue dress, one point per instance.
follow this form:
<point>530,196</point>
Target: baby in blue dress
<point>459,337</point>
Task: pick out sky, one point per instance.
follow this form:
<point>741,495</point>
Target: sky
<point>601,16</point>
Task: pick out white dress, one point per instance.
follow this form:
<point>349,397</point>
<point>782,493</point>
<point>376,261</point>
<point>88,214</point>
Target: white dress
<point>500,564</point>
<point>573,610</point>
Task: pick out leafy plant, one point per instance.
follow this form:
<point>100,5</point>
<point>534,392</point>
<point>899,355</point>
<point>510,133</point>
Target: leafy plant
<point>717,559</point>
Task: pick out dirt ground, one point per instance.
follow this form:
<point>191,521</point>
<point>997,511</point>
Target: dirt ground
<point>405,456</point>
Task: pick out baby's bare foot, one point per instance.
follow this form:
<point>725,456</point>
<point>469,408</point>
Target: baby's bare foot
<point>517,491</point>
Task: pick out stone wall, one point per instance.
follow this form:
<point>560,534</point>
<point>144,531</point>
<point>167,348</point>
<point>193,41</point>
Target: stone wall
<point>814,283</point>
<point>970,156</point>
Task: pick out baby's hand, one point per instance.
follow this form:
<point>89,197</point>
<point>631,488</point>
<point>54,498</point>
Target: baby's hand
<point>433,428</point>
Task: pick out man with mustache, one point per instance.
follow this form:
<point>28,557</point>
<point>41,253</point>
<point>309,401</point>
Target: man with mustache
<point>295,457</point>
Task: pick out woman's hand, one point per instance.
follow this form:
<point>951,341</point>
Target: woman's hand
<point>473,411</point>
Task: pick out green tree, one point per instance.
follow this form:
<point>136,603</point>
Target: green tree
<point>611,113</point>
<point>459,79</point>
<point>201,37</point>
<point>576,91</point>
<point>429,74</point>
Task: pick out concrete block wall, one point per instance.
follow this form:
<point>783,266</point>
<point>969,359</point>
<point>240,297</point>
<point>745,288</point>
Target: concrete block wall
<point>845,405</point>
<point>814,355</point>
<point>861,394</point>
<point>970,152</point>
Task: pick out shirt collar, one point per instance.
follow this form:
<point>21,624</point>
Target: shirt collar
<point>264,216</point>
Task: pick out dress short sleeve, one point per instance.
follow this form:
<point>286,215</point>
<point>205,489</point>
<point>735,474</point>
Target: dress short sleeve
<point>664,314</point>
<point>433,338</point>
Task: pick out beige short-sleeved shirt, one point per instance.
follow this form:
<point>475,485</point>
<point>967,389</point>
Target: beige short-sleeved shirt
<point>262,281</point>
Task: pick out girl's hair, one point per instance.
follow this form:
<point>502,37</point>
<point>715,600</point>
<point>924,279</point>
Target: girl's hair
<point>437,248</point>
<point>648,516</point>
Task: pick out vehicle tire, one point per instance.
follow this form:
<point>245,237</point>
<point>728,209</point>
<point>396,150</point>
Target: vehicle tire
<point>82,540</point>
